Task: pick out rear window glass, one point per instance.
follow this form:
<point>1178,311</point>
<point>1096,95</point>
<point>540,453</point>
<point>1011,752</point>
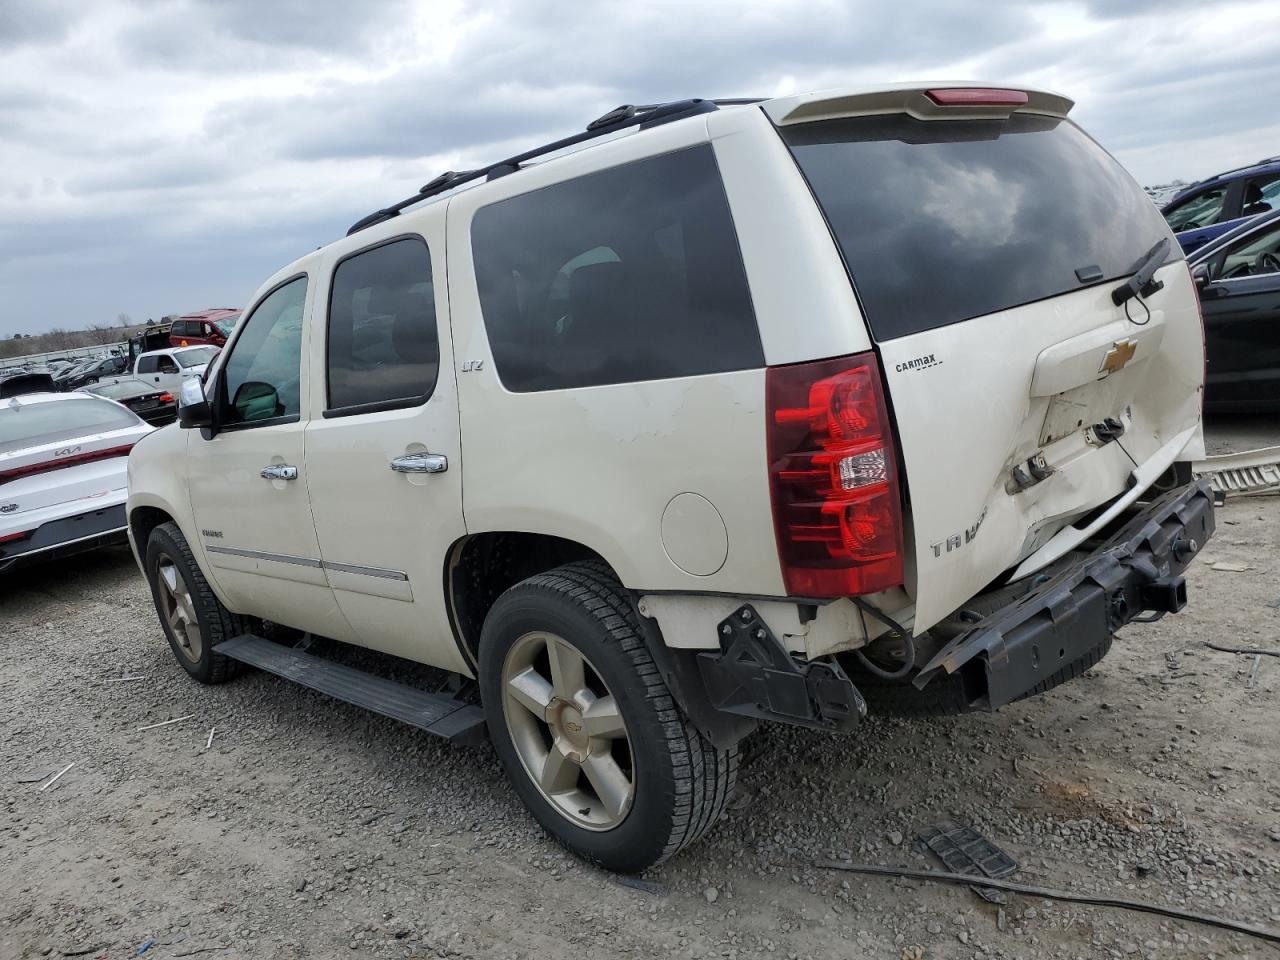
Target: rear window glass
<point>124,388</point>
<point>34,424</point>
<point>944,220</point>
<point>195,356</point>
<point>629,274</point>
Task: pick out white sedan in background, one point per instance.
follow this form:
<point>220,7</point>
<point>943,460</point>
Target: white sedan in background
<point>63,459</point>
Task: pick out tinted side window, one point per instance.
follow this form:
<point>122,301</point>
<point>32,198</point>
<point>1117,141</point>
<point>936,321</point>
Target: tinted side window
<point>628,274</point>
<point>166,364</point>
<point>148,364</point>
<point>261,375</point>
<point>383,342</point>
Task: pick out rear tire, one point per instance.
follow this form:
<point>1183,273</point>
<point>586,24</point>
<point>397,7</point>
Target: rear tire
<point>587,730</point>
<point>193,619</point>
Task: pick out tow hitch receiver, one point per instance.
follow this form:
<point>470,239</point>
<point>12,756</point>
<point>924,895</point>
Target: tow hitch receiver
<point>755,676</point>
<point>1136,576</point>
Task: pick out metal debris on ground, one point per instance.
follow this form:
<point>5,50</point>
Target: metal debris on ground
<point>644,886</point>
<point>1253,674</point>
<point>963,850</point>
<point>123,679</point>
<point>57,776</point>
<point>31,777</point>
<point>1227,566</point>
<point>209,742</point>
<point>164,723</point>
<point>1046,893</point>
<point>1247,651</point>
<point>1243,474</point>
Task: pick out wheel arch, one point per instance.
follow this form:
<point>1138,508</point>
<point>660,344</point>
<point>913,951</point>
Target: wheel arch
<point>481,566</point>
<point>143,518</point>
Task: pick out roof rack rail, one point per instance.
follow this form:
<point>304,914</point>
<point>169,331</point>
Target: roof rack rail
<point>1227,173</point>
<point>627,115</point>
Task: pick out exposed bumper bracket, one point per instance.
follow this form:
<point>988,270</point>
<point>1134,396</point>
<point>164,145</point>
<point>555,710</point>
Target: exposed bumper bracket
<point>1136,572</point>
<point>755,676</point>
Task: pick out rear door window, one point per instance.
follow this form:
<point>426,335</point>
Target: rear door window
<point>149,364</point>
<point>944,220</point>
<point>629,274</point>
<point>384,345</point>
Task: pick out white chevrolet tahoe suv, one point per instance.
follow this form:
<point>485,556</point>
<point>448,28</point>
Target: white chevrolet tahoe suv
<point>716,413</point>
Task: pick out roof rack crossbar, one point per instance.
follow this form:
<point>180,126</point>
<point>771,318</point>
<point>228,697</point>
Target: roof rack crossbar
<point>619,118</point>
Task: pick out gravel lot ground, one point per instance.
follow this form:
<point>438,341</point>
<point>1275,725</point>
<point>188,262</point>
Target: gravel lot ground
<point>312,829</point>
<point>1240,432</point>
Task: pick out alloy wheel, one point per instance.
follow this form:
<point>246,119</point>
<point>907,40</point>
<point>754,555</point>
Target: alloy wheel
<point>179,610</point>
<point>568,731</point>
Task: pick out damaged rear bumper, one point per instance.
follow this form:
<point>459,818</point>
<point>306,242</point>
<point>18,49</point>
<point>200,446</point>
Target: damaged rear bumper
<point>1020,648</point>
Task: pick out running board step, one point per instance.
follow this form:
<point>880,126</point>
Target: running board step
<point>434,713</point>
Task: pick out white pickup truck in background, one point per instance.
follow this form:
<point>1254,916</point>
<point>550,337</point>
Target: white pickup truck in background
<point>169,367</point>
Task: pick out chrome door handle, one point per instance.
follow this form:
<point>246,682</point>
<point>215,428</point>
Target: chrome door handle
<point>279,471</point>
<point>420,463</point>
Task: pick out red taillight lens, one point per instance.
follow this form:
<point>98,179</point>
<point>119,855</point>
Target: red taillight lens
<point>166,398</point>
<point>15,536</point>
<point>976,97</point>
<point>836,507</point>
<point>71,461</point>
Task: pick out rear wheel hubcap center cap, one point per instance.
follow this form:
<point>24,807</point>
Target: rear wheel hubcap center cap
<point>569,724</point>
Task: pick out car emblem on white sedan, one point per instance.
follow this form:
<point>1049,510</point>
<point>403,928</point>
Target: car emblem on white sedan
<point>8,507</point>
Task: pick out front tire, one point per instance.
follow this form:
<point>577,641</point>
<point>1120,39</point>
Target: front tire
<point>193,619</point>
<point>587,730</point>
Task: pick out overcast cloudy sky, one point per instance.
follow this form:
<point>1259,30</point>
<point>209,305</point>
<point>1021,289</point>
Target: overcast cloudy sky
<point>158,157</point>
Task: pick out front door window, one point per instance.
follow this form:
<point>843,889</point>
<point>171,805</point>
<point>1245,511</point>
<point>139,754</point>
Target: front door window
<point>262,374</point>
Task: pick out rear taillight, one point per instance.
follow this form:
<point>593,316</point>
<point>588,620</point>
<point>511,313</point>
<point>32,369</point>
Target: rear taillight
<point>165,398</point>
<point>976,97</point>
<point>9,538</point>
<point>74,460</point>
<point>833,478</point>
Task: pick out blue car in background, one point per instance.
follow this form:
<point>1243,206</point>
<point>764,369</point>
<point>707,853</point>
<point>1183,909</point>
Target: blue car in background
<point>1211,207</point>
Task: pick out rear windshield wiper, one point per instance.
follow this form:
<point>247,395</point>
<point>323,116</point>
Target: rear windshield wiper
<point>1143,282</point>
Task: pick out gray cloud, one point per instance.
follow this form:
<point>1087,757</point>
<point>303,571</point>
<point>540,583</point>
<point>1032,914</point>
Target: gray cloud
<point>199,35</point>
<point>23,21</point>
<point>162,155</point>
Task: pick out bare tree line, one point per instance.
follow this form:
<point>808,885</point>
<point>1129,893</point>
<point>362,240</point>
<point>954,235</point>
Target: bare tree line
<point>94,335</point>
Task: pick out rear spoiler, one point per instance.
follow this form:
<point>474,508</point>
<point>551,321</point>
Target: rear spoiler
<point>915,99</point>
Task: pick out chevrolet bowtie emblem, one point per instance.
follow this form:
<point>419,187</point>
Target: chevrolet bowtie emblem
<point>1118,356</point>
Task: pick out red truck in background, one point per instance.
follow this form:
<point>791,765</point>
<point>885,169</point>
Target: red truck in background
<point>212,326</point>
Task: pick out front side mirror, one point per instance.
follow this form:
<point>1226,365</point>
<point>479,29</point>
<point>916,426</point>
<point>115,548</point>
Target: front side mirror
<point>255,400</point>
<point>194,409</point>
<point>1200,275</point>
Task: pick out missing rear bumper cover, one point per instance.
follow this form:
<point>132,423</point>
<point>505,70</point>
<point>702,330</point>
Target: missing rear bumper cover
<point>1014,650</point>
